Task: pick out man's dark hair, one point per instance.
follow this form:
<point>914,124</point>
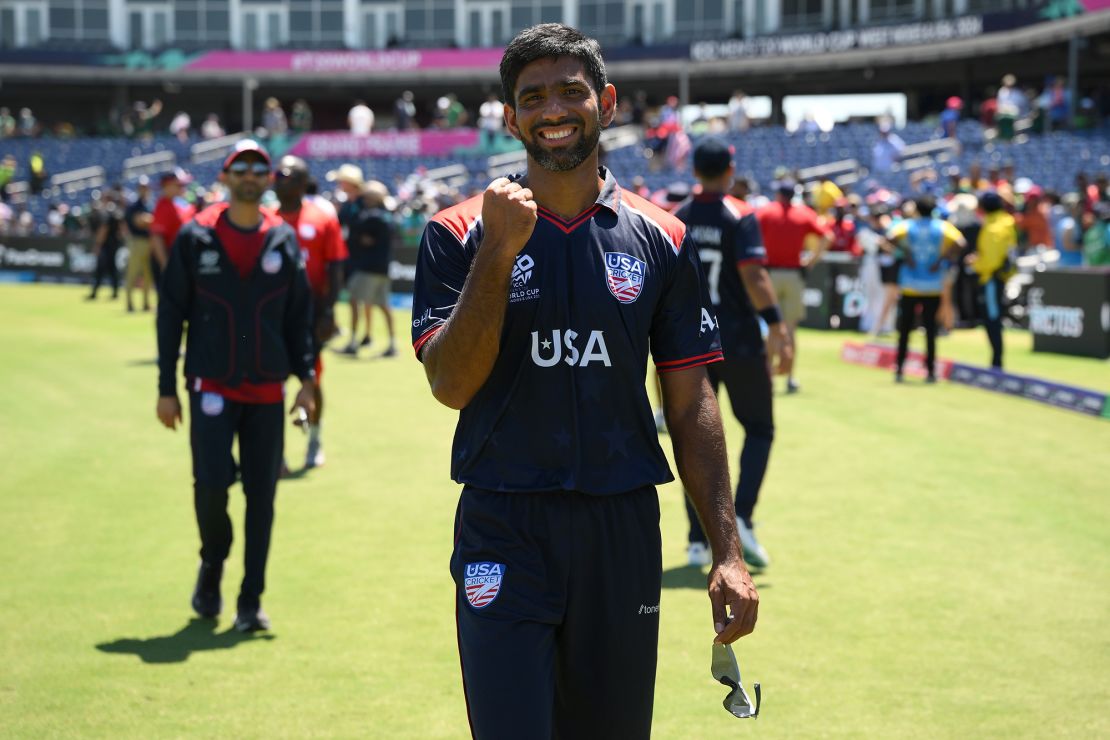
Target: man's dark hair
<point>925,204</point>
<point>549,40</point>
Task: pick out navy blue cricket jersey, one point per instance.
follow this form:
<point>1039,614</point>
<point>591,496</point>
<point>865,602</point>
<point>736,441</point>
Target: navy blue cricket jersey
<point>565,406</point>
<point>727,234</point>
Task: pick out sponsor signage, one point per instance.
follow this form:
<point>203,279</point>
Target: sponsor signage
<point>875,37</point>
<point>348,62</point>
<point>1081,400</point>
<point>345,145</point>
<point>885,357</point>
<point>49,259</point>
<point>1069,312</point>
<point>834,297</point>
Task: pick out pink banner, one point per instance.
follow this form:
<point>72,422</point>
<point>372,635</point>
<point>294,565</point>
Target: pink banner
<point>347,62</point>
<point>344,145</point>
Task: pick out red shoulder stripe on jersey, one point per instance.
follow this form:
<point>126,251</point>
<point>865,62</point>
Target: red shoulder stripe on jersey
<point>459,219</point>
<point>691,362</point>
<point>739,207</point>
<point>423,339</point>
<point>671,227</point>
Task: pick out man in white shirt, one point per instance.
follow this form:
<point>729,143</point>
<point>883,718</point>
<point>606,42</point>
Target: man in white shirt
<point>361,119</point>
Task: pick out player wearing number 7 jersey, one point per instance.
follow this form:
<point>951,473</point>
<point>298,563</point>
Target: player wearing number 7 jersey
<point>733,257</point>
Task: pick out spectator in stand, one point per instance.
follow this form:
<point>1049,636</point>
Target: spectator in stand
<point>450,113</point>
<point>180,126</point>
<point>991,261</point>
<point>626,113</point>
<point>27,125</point>
<point>171,212</point>
<point>887,149</point>
<point>1096,235</point>
<point>785,227</point>
<point>826,194</point>
<point>211,128</point>
<point>843,229</point>
<point>273,118</point>
<point>8,167</point>
<point>491,120</point>
<point>137,218</point>
<point>37,167</point>
<point>1033,220</point>
<point>108,240</point>
<point>1056,101</point>
<point>404,111</point>
<point>1010,105</point>
<point>1067,216</point>
<point>950,118</point>
<point>988,109</point>
<point>360,119</point>
<point>668,113</point>
<point>738,120</point>
<point>143,117</point>
<point>7,123</point>
<point>975,183</point>
<point>300,119</point>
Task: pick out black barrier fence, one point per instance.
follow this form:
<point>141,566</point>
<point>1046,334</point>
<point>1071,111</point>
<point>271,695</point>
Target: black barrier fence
<point>60,259</point>
<point>834,297</point>
<point>1069,311</point>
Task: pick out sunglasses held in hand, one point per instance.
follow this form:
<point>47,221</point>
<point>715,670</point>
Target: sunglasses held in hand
<point>727,671</point>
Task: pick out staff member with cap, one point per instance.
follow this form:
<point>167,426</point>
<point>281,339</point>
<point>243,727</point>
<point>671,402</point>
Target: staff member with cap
<point>236,276</point>
<point>785,226</point>
<point>322,247</point>
<point>171,212</point>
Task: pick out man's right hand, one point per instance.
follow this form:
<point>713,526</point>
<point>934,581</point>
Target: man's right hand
<point>780,350</point>
<point>169,411</point>
<point>508,215</point>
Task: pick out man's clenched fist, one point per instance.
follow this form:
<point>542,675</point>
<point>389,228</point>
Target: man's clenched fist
<point>508,215</point>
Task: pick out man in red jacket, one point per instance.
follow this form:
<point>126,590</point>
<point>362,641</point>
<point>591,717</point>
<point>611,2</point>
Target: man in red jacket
<point>237,278</point>
<point>171,212</point>
<point>321,240</point>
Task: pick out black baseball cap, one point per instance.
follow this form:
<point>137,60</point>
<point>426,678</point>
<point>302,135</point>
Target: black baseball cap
<point>785,185</point>
<point>712,157</point>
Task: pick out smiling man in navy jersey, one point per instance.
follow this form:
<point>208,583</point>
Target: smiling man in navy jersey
<point>733,257</point>
<point>535,307</point>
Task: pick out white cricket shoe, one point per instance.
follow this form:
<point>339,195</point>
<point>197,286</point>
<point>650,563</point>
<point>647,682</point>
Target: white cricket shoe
<point>697,555</point>
<point>754,554</point>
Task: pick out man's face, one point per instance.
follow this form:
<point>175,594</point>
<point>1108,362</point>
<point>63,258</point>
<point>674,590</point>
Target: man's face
<point>248,177</point>
<point>558,116</point>
<point>171,188</point>
<point>290,183</point>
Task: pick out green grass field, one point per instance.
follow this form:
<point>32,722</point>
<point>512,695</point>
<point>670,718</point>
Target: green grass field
<point>940,557</point>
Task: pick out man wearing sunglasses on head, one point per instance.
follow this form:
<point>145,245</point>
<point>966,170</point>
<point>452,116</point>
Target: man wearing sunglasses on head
<point>321,240</point>
<point>236,276</point>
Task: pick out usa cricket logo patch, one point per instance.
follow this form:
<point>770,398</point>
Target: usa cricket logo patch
<point>624,275</point>
<point>482,582</point>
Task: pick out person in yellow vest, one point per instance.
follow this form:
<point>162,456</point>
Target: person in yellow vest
<point>991,261</point>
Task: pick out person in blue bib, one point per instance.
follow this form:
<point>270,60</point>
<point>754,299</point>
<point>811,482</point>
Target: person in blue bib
<point>925,244</point>
<point>535,307</point>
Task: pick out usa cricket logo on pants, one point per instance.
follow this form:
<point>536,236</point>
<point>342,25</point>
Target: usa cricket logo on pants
<point>482,582</point>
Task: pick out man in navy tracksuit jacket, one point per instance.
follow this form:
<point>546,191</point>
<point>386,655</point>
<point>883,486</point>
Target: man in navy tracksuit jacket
<point>535,308</point>
<point>237,278</point>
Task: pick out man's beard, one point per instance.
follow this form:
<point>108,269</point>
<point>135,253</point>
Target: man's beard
<point>247,193</point>
<point>567,158</point>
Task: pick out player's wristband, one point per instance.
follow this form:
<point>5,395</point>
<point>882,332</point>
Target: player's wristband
<point>772,315</point>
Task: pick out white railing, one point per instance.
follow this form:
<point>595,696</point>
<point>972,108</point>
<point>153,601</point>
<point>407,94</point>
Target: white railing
<point>148,164</point>
<point>215,149</point>
<point>75,181</point>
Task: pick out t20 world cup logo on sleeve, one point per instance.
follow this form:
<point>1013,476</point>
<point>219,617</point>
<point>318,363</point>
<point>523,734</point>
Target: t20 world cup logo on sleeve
<point>624,275</point>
